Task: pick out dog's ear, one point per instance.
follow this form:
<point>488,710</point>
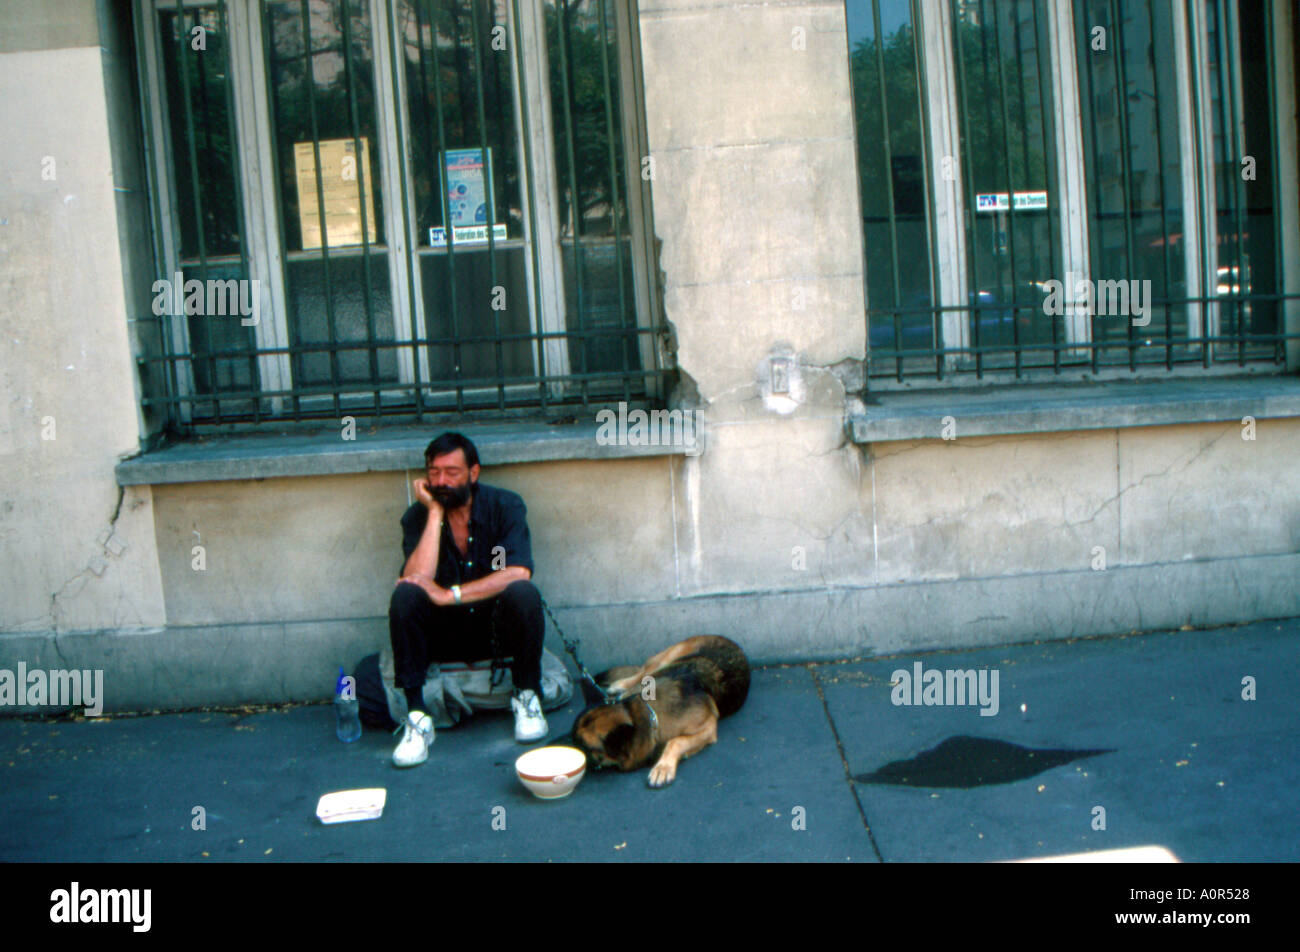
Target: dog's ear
<point>576,731</point>
<point>618,744</point>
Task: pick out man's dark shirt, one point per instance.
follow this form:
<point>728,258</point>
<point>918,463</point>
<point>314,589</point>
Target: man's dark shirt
<point>497,517</point>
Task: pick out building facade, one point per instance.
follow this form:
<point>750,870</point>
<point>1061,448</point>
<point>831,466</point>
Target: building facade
<point>839,328</point>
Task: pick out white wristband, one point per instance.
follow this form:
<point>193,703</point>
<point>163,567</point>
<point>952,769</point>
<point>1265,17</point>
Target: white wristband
<point>455,593</point>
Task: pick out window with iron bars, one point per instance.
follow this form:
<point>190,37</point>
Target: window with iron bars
<point>398,209</point>
<point>1055,188</point>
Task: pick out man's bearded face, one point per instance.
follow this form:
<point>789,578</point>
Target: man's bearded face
<point>450,480</point>
<point>453,497</point>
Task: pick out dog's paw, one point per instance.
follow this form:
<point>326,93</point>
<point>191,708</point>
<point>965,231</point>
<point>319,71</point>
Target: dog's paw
<point>661,775</point>
<point>620,688</point>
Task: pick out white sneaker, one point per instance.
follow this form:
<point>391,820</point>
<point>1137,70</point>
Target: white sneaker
<point>418,737</point>
<point>530,723</point>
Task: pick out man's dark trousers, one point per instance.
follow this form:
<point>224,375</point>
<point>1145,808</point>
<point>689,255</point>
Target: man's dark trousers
<point>422,633</point>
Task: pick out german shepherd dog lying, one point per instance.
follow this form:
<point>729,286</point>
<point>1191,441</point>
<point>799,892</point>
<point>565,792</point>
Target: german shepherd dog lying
<point>668,709</point>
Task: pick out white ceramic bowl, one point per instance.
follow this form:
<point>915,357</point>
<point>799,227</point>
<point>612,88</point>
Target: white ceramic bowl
<point>550,773</point>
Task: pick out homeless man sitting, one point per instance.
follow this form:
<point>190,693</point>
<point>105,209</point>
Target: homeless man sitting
<point>465,593</point>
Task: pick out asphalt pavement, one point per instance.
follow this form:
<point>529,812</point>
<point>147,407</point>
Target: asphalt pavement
<point>1184,740</point>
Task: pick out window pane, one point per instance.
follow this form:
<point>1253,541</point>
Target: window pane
<point>352,312</point>
<point>465,349</point>
<point>595,248</point>
<point>217,332</point>
<point>592,280</point>
<point>1241,113</point>
<point>460,97</point>
<point>891,172</point>
<point>1009,164</point>
<point>203,144</point>
<point>1135,167</point>
<point>458,58</point>
<point>321,76</point>
<point>204,149</point>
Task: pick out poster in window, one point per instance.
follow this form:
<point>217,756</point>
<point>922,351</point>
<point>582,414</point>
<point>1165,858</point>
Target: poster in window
<point>469,196</point>
<point>341,182</point>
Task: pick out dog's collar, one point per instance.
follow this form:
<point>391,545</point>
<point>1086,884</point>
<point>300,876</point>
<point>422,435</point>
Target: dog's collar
<point>654,720</point>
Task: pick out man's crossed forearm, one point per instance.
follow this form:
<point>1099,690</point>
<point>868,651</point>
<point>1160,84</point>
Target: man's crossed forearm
<point>421,567</point>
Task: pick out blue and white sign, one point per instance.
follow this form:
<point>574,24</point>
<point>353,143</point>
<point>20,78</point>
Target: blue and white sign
<point>468,181</point>
<point>467,235</point>
<point>467,188</point>
<point>1024,201</point>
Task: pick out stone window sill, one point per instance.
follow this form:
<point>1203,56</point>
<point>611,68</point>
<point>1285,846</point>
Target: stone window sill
<point>995,411</point>
<point>381,449</point>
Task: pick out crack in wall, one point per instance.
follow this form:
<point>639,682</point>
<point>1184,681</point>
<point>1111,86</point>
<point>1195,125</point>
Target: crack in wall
<point>72,586</point>
<point>977,442</point>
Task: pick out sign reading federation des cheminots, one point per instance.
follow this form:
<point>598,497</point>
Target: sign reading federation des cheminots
<point>1024,201</point>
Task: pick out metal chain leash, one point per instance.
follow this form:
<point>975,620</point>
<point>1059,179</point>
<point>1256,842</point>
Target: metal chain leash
<point>570,645</point>
<point>498,672</point>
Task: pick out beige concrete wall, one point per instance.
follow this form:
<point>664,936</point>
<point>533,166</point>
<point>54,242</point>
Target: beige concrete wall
<point>330,547</point>
<point>778,502</point>
<point>75,554</point>
<point>999,506</point>
<point>1206,493</point>
<point>755,188</point>
<point>755,201</point>
<point>47,25</point>
<point>770,508</point>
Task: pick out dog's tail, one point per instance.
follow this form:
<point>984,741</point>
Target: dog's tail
<point>726,677</point>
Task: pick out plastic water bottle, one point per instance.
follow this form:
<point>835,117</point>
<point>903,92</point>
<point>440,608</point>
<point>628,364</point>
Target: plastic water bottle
<point>347,708</point>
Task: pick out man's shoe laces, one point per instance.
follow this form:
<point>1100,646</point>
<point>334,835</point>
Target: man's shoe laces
<point>407,724</point>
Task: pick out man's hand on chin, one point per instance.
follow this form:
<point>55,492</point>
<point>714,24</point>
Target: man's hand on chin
<point>437,594</point>
<point>423,492</point>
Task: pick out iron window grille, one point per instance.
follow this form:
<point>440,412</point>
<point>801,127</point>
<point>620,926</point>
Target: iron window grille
<point>304,154</point>
<point>1126,162</point>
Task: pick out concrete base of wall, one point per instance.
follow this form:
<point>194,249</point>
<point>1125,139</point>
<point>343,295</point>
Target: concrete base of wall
<point>220,665</point>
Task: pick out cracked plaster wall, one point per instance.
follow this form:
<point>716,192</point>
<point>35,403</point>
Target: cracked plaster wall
<point>330,547</point>
<point>755,200</point>
<point>755,203</point>
<point>76,552</point>
<point>755,187</point>
<point>996,506</point>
